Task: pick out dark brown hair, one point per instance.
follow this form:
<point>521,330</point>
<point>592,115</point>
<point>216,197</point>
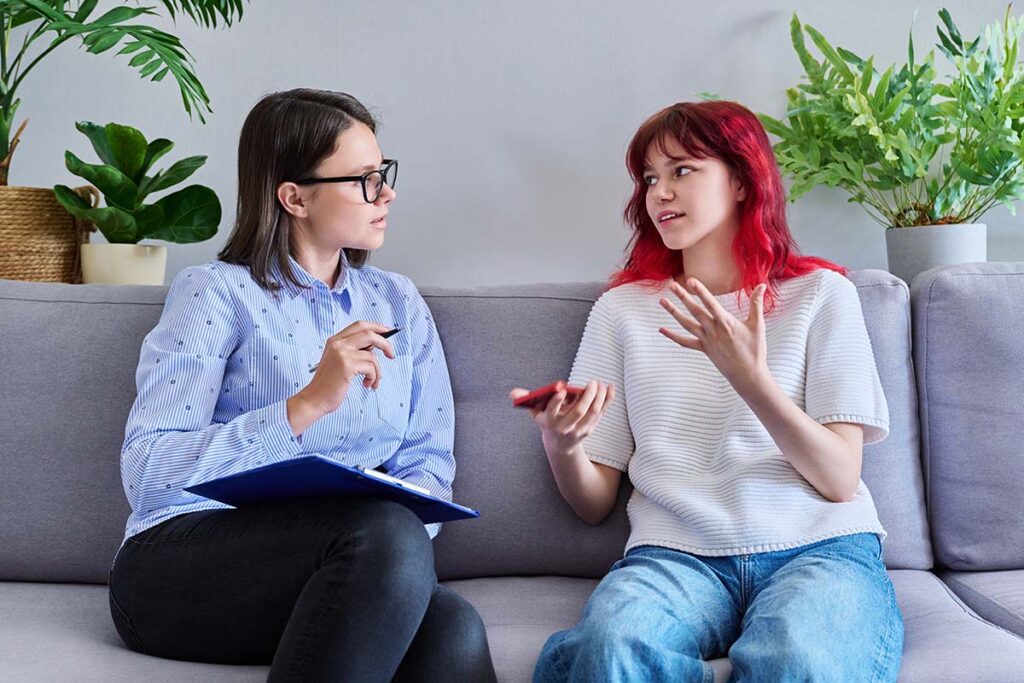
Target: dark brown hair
<point>284,137</point>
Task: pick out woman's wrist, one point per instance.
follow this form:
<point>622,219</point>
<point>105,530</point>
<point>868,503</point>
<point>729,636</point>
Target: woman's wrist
<point>302,412</point>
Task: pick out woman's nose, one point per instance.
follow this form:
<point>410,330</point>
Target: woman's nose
<point>662,192</point>
<point>387,194</point>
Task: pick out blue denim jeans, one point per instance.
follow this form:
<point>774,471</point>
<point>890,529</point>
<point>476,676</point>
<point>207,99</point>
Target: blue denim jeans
<point>821,612</point>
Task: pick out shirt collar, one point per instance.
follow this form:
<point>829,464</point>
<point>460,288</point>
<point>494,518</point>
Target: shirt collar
<point>290,290</point>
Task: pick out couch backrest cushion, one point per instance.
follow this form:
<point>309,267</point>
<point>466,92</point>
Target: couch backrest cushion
<point>67,364</point>
<point>67,371</point>
<point>969,357</point>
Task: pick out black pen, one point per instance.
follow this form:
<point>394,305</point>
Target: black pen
<point>367,348</point>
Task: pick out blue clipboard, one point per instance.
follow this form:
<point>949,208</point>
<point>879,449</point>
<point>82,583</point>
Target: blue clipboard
<point>315,475</point>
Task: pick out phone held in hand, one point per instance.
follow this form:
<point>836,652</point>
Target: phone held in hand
<point>538,398</point>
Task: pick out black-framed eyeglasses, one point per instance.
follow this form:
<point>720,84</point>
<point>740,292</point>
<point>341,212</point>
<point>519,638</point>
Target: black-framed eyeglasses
<point>372,182</point>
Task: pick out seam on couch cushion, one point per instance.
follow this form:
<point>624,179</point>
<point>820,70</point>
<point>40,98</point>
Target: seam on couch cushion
<point>967,610</point>
<point>1000,607</point>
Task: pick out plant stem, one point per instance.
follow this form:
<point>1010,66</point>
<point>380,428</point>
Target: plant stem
<point>29,38</point>
<point>56,43</point>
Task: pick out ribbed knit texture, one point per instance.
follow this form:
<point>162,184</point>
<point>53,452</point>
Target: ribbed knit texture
<point>708,476</point>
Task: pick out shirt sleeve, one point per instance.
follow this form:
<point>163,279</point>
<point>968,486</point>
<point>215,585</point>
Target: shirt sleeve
<point>600,356</point>
<point>425,457</point>
<point>170,439</point>
<point>842,383</point>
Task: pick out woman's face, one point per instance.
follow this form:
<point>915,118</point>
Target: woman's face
<point>689,198</point>
<point>336,214</point>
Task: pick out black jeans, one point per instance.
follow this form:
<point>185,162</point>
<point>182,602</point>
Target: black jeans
<point>324,589</point>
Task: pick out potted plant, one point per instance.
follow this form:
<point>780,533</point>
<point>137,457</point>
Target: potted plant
<point>925,157</point>
<point>191,214</point>
<point>32,222</point>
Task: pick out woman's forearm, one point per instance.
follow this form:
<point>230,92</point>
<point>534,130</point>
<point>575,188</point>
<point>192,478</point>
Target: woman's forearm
<point>589,488</point>
<point>825,459</point>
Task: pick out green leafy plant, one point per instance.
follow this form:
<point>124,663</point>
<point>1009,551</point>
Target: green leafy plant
<point>45,25</point>
<point>188,215</point>
<point>910,148</point>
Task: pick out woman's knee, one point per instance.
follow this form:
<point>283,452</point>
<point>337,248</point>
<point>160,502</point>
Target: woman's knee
<point>452,639</point>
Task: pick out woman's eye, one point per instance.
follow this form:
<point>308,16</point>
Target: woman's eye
<point>683,170</point>
<point>650,180</point>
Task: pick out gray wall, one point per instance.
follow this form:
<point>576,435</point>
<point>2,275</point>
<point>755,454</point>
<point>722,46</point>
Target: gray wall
<point>510,119</point>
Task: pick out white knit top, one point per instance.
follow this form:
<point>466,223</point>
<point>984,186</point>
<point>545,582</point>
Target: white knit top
<point>708,478</point>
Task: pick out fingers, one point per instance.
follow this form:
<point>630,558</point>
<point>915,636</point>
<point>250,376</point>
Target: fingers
<point>362,340</point>
<point>378,342</point>
<point>363,326</point>
<point>369,367</point>
<point>573,412</point>
<point>688,323</point>
<point>757,304</point>
<point>519,392</point>
<point>717,312</point>
<point>602,399</point>
<point>692,303</point>
<point>687,342</point>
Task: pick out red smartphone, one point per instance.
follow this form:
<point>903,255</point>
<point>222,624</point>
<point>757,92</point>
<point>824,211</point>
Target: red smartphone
<point>538,398</point>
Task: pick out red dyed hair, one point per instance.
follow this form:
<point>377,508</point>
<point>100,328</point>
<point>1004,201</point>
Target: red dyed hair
<point>764,249</point>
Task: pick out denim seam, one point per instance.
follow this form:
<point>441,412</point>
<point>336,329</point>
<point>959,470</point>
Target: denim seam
<point>127,621</point>
<point>884,652</point>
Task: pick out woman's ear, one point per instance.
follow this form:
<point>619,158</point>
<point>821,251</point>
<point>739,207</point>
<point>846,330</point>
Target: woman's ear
<point>739,189</point>
<point>290,197</point>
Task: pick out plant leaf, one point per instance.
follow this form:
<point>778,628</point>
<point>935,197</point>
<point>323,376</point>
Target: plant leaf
<point>176,172</point>
<point>156,149</point>
<point>118,189</point>
<point>98,137</point>
<point>189,215</point>
<point>128,146</point>
<point>117,225</point>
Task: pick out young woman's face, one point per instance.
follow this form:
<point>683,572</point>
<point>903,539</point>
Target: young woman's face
<point>688,198</point>
<point>337,214</point>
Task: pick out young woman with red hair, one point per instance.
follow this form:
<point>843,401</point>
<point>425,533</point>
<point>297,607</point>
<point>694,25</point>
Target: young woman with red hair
<point>748,389</point>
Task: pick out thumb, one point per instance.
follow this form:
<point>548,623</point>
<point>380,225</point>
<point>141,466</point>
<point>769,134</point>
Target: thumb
<point>757,304</point>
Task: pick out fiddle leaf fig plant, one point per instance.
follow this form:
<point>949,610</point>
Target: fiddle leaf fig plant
<point>910,147</point>
<point>191,214</point>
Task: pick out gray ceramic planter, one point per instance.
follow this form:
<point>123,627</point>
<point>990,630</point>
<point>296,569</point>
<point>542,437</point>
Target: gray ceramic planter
<point>916,249</point>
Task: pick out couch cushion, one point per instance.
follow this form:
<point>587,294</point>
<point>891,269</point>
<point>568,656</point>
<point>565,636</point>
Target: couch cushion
<point>496,338</point>
<point>67,362</point>
<point>969,358</point>
<point>71,623</point>
<point>63,632</point>
<point>499,337</point>
<point>892,467</point>
<point>996,596</point>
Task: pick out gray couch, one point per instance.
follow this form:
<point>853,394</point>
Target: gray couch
<point>950,352</point>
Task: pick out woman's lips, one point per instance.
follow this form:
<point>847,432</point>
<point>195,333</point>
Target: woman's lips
<point>666,217</point>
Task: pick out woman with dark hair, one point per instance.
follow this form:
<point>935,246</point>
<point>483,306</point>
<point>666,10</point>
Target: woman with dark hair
<point>276,350</point>
<point>748,389</point>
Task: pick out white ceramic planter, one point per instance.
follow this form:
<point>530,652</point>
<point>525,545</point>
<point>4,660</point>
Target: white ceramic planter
<point>123,264</point>
<point>913,250</point>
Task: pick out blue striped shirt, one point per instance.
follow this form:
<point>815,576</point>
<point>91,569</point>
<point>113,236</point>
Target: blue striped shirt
<point>215,373</point>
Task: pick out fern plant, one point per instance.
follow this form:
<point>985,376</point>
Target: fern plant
<point>911,148</point>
